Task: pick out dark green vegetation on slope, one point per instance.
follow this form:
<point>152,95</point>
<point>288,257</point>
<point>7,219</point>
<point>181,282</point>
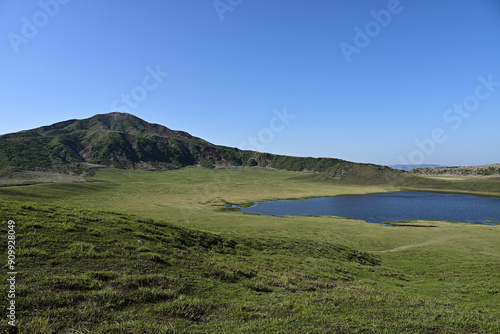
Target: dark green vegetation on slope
<point>125,141</point>
<point>77,147</point>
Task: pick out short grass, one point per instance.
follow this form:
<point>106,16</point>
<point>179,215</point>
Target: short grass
<point>10,178</point>
<point>152,252</point>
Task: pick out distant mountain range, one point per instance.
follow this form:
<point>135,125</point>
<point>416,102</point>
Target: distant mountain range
<point>122,140</point>
<point>410,167</point>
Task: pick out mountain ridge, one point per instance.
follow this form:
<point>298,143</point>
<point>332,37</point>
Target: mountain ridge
<point>120,140</point>
<point>123,140</point>
<point>490,170</point>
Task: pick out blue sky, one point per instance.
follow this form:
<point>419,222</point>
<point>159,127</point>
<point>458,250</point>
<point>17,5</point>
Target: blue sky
<point>384,82</point>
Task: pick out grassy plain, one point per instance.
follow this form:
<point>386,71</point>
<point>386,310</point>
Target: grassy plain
<point>157,253</point>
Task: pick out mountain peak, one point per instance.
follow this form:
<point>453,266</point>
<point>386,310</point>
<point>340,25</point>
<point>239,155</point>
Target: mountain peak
<point>124,123</point>
<point>117,114</point>
<point>114,139</point>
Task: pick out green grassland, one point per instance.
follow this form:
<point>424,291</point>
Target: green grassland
<point>154,252</point>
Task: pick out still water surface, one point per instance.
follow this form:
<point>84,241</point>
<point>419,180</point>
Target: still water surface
<point>390,207</point>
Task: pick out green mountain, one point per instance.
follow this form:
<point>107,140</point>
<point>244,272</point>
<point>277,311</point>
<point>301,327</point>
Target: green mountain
<point>124,141</point>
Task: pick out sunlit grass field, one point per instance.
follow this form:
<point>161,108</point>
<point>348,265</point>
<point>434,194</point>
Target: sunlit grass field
<point>158,253</point>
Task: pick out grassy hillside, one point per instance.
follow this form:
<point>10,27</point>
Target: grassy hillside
<point>101,272</point>
<point>182,265</point>
<point>151,275</point>
<point>366,174</point>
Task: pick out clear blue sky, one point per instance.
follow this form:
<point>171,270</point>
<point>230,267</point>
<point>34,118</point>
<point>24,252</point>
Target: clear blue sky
<point>366,96</point>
